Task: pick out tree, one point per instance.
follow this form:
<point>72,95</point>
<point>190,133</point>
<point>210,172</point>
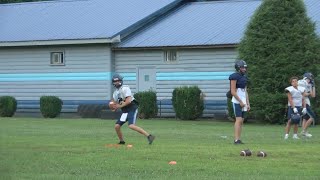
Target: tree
<point>279,42</point>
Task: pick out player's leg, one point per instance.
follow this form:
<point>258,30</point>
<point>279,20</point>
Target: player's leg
<point>132,117</point>
<point>288,126</point>
<point>304,121</point>
<point>295,131</point>
<point>117,127</point>
<point>287,129</point>
<point>307,120</point>
<point>310,118</point>
<point>238,123</point>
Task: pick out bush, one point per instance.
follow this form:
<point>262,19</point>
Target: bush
<point>230,110</point>
<point>8,106</point>
<point>148,107</point>
<point>50,106</point>
<point>188,102</point>
<point>268,107</point>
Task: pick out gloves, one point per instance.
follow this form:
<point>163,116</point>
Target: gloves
<point>311,82</point>
<point>304,111</point>
<point>295,110</point>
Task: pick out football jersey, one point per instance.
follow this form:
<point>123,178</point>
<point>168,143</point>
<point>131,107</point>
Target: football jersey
<point>296,95</point>
<point>120,94</point>
<point>308,88</point>
<point>241,83</point>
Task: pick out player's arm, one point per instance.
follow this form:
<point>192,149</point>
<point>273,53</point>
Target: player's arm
<point>234,92</point>
<point>126,102</point>
<point>247,99</point>
<point>113,105</point>
<point>290,100</point>
<point>303,102</point>
<point>304,95</point>
<point>313,92</point>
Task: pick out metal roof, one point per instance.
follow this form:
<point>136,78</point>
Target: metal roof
<point>205,23</point>
<point>72,19</point>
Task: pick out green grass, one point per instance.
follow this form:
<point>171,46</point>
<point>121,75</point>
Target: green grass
<point>76,149</point>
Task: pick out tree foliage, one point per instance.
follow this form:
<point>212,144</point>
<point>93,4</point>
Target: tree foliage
<point>279,42</point>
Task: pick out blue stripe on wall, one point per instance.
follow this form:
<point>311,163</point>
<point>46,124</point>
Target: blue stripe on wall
<point>56,76</point>
<point>193,76</point>
<point>35,104</point>
<point>105,76</point>
<point>129,76</point>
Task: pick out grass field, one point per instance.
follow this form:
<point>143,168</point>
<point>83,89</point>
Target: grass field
<point>79,149</point>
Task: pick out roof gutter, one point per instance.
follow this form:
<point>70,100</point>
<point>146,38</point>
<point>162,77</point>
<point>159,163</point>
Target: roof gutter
<point>115,39</point>
<point>231,45</point>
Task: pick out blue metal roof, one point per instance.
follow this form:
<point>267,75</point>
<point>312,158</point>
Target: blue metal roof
<point>205,23</point>
<point>72,19</point>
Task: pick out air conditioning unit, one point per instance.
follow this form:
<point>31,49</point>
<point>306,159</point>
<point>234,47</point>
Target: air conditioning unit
<point>57,58</point>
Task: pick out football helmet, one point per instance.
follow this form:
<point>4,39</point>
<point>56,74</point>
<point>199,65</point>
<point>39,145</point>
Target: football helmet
<point>295,118</point>
<point>240,64</point>
<point>117,78</point>
<point>308,75</point>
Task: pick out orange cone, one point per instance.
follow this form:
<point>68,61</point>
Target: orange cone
<point>129,146</point>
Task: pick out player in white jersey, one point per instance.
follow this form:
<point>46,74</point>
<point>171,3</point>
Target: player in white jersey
<point>296,101</point>
<point>124,99</point>
<point>308,83</point>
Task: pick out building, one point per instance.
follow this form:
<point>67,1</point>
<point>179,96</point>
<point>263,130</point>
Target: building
<point>70,48</point>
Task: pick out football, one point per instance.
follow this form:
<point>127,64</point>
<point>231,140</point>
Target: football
<point>112,106</point>
<point>262,154</point>
<point>245,152</point>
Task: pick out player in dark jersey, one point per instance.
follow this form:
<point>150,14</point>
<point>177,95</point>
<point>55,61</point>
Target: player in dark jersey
<point>240,98</point>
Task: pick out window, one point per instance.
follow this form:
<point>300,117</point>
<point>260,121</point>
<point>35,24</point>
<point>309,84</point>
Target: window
<point>57,58</point>
<point>146,77</point>
<point>170,56</point>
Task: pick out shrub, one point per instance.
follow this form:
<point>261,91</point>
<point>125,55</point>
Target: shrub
<point>148,107</point>
<point>271,108</point>
<point>8,106</point>
<point>187,102</point>
<point>50,106</point>
<point>230,110</point>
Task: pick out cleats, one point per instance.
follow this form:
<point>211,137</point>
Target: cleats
<point>295,136</point>
<point>151,138</point>
<point>122,143</point>
<point>238,142</point>
<point>306,134</point>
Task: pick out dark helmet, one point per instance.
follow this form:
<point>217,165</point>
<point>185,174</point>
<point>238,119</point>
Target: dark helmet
<point>308,75</point>
<point>295,118</point>
<point>117,77</point>
<point>240,64</point>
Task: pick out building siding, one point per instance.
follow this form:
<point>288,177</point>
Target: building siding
<point>206,68</point>
<point>26,74</point>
